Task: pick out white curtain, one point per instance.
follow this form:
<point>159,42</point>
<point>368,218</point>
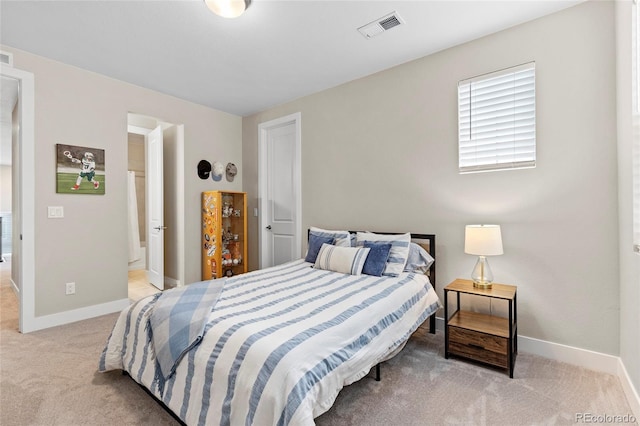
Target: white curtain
<point>134,231</point>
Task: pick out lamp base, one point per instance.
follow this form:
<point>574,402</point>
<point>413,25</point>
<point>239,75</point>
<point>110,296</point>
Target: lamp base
<point>483,285</point>
<point>481,274</point>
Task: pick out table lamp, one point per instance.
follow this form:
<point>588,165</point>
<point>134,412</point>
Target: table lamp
<point>482,240</point>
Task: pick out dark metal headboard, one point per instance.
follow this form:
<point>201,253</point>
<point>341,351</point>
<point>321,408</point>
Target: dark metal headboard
<point>426,241</point>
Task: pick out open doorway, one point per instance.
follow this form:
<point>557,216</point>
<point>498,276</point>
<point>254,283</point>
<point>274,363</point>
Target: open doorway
<point>156,218</point>
<point>139,285</point>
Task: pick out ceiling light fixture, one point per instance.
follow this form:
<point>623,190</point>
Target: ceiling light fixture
<point>228,8</point>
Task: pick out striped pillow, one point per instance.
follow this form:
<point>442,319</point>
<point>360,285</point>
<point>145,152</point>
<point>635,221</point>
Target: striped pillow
<point>346,260</point>
<point>342,238</point>
<point>398,254</point>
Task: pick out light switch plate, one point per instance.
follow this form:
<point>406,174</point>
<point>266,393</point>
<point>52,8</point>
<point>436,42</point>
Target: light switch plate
<point>55,212</point>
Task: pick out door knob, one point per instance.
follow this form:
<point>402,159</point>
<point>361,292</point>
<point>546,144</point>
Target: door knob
<point>160,228</point>
<point>269,227</point>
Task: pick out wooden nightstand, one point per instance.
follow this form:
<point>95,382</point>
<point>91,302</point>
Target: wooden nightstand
<point>481,337</point>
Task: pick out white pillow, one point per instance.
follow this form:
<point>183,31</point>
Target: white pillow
<point>341,238</point>
<point>346,260</point>
<point>419,260</point>
<point>399,250</point>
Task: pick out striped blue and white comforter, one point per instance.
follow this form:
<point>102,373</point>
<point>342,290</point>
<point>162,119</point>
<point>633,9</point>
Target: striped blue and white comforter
<point>279,345</point>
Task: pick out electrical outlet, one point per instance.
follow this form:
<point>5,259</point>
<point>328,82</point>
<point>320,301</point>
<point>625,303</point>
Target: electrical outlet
<point>70,288</point>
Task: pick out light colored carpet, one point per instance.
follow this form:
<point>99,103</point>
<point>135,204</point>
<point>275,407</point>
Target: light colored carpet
<point>421,387</point>
<point>49,377</point>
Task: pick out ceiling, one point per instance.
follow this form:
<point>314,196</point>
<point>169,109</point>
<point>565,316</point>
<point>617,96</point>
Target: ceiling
<point>279,50</point>
<point>276,52</point>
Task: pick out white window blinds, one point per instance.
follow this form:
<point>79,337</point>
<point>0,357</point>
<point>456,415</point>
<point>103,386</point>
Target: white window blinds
<point>497,120</point>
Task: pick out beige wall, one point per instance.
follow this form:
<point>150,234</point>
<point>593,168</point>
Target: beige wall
<point>89,245</point>
<point>380,153</point>
<point>629,261</point>
<point>173,240</point>
<point>136,158</point>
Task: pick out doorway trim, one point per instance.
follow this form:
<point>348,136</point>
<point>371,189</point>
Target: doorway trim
<point>26,198</point>
<point>263,132</point>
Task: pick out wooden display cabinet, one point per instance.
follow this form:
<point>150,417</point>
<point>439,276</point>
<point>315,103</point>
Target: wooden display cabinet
<point>224,234</point>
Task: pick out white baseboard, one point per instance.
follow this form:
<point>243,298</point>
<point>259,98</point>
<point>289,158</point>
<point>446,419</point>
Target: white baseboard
<point>171,282</point>
<point>597,361</point>
<point>571,355</point>
<point>15,288</point>
<point>632,394</point>
<point>53,320</point>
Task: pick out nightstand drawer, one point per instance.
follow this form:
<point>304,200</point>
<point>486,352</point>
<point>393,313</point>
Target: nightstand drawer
<point>479,346</point>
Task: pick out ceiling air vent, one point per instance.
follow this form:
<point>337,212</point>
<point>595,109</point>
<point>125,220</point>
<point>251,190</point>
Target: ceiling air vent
<point>381,25</point>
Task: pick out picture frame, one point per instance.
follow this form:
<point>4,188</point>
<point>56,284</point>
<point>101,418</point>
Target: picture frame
<point>80,170</point>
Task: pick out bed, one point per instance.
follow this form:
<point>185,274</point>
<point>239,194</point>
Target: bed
<point>277,345</point>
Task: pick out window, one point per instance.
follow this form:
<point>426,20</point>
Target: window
<point>497,120</point>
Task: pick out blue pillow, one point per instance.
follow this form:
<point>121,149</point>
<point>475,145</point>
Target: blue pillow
<point>377,258</point>
<point>315,242</point>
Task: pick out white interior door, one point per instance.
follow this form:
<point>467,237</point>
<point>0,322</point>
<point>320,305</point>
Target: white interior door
<point>23,199</point>
<point>155,208</point>
<point>280,197</point>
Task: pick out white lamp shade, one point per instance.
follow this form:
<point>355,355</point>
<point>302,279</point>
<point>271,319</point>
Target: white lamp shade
<point>483,240</point>
<point>228,8</point>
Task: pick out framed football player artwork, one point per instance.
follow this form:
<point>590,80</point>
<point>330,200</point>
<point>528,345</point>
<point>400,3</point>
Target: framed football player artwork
<point>79,170</point>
